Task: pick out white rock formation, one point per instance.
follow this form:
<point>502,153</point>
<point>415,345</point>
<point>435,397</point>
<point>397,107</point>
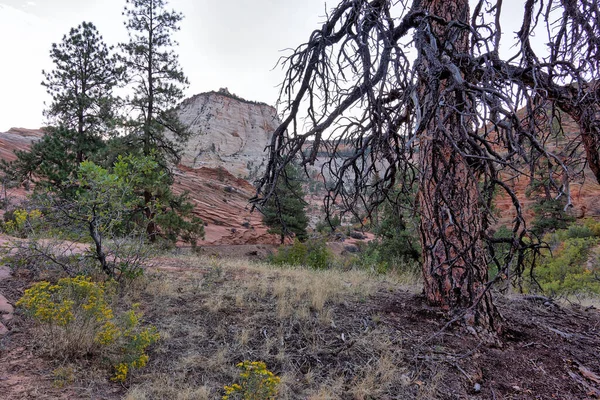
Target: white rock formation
<point>227,132</point>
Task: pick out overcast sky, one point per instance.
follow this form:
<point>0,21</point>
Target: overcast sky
<point>227,43</point>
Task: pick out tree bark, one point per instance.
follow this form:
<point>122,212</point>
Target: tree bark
<point>97,238</point>
<point>452,225</point>
<point>151,228</point>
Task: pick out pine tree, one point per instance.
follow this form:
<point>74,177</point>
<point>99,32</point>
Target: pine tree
<point>82,109</point>
<point>51,161</point>
<point>81,85</point>
<point>158,81</point>
<point>156,77</point>
<point>285,212</point>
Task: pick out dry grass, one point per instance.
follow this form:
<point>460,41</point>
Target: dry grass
<point>326,334</point>
<point>312,328</point>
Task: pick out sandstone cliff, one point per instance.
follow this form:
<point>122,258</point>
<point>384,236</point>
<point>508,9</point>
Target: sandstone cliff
<point>17,139</point>
<point>220,199</point>
<point>227,132</point>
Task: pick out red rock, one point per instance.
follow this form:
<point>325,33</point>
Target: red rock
<point>221,200</point>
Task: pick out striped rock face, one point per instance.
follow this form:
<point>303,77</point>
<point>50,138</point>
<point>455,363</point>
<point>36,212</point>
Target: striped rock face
<point>227,132</point>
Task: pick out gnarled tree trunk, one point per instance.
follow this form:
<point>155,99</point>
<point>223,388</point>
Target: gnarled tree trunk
<point>452,224</point>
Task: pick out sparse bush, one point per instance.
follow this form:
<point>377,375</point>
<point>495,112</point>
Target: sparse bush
<point>579,231</point>
<point>593,226</point>
<point>44,258</point>
<point>499,250</point>
<point>375,258</point>
<point>313,253</point>
<point>396,246</point>
<point>63,376</point>
<point>257,383</point>
<point>76,320</point>
<point>21,223</point>
<point>325,226</point>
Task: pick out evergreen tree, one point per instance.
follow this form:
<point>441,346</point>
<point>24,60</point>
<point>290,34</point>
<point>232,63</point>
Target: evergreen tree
<point>51,161</point>
<point>397,238</point>
<point>285,213</point>
<point>158,82</point>
<point>81,85</point>
<point>171,215</point>
<point>156,77</point>
<point>82,109</point>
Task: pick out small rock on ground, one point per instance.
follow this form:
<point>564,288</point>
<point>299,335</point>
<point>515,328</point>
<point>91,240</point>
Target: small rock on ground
<point>4,272</point>
<point>5,306</point>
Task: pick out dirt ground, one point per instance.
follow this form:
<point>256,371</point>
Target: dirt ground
<point>548,351</point>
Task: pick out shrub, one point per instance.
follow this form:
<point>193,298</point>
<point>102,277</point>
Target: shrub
<point>593,226</point>
<point>257,383</point>
<point>314,253</point>
<point>324,226</point>
<point>549,216</point>
<point>579,231</point>
<point>499,250</point>
<point>565,270</point>
<point>20,222</point>
<point>319,256</point>
<point>76,320</point>
<point>376,259</point>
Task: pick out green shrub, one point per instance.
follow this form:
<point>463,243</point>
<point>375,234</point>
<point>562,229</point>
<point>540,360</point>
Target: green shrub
<point>565,269</point>
<point>579,231</point>
<point>375,258</point>
<point>550,216</point>
<point>313,253</point>
<point>500,250</point>
<point>318,256</point>
<point>75,320</point>
<point>324,227</point>
<point>593,226</point>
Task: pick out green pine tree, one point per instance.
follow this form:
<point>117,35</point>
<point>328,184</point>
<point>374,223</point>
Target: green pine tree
<point>82,109</point>
<point>81,85</point>
<point>157,82</point>
<point>285,212</point>
<point>156,79</point>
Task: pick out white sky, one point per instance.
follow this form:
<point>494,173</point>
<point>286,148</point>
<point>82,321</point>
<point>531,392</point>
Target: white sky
<point>227,43</point>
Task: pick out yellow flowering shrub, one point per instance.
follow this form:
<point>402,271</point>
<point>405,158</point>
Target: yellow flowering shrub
<point>121,370</point>
<point>257,383</point>
<point>76,319</point>
<point>21,222</point>
<point>134,344</point>
<point>59,304</point>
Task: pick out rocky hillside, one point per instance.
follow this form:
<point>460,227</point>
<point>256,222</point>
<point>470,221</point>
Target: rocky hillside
<point>227,132</point>
<point>17,139</point>
<point>220,198</point>
<point>584,189</point>
<point>226,152</point>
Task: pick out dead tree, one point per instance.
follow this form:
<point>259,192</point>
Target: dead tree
<point>419,93</point>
